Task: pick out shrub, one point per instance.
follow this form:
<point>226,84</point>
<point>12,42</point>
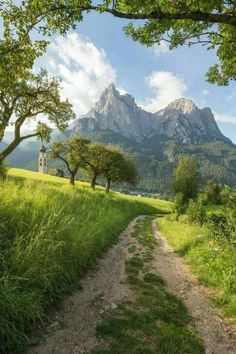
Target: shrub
<point>222,227</point>
<point>196,212</point>
<point>225,194</point>
<point>3,170</point>
<point>179,205</point>
<point>213,193</point>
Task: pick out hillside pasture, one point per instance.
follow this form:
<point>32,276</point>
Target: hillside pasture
<point>50,234</point>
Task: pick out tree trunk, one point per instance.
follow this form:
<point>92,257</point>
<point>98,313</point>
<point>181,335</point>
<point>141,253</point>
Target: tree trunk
<point>8,150</point>
<point>93,181</point>
<point>108,184</point>
<point>13,145</point>
<point>72,179</point>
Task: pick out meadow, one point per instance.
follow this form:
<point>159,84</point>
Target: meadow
<point>214,263</point>
<point>50,234</point>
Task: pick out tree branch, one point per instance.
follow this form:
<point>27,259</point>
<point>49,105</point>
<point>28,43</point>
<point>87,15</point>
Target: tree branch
<point>229,19</point>
<point>66,162</point>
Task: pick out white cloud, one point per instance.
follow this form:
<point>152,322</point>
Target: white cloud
<point>166,86</point>
<point>122,90</point>
<point>161,48</point>
<point>205,92</point>
<point>224,118</point>
<point>83,68</point>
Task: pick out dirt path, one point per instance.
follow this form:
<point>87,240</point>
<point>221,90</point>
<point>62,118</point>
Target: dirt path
<point>218,336</point>
<point>73,330</point>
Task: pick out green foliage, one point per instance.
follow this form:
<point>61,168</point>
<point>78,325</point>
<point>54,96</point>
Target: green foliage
<point>179,205</point>
<point>209,23</point>
<point>222,225</point>
<point>196,211</point>
<point>190,23</point>
<point>225,194</point>
<point>118,167</point>
<point>24,100</point>
<point>156,160</point>
<point>213,262</point>
<point>50,234</point>
<point>213,193</point>
<point>186,183</point>
<point>3,170</point>
<point>73,153</point>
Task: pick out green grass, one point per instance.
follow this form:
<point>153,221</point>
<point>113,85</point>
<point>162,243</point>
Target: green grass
<point>50,234</point>
<point>154,321</point>
<point>214,265</point>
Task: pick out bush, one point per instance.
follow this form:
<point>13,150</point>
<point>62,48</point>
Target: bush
<point>179,205</point>
<point>222,227</point>
<point>226,194</point>
<point>196,211</point>
<point>3,170</point>
<point>213,193</point>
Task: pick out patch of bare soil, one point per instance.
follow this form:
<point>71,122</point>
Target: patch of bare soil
<point>74,328</point>
<point>219,337</point>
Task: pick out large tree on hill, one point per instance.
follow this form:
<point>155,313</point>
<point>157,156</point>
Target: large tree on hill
<point>72,153</point>
<point>211,23</point>
<point>95,162</point>
<point>186,179</point>
<point>118,167</point>
<point>24,100</point>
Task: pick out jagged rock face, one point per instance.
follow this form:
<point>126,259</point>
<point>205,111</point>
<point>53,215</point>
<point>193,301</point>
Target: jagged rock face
<point>118,113</point>
<point>181,120</point>
<point>188,124</point>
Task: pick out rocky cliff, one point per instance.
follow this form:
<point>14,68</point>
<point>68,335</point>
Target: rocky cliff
<point>181,120</point>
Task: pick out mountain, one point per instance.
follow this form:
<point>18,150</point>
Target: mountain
<point>156,140</point>
<point>181,120</point>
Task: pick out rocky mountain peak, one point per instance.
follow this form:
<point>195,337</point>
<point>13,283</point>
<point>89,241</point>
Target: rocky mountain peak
<point>181,120</point>
<point>184,105</point>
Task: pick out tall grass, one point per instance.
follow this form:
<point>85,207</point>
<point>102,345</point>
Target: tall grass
<point>50,234</point>
<point>214,264</point>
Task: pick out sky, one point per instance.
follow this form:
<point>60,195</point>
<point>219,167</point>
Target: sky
<point>98,53</point>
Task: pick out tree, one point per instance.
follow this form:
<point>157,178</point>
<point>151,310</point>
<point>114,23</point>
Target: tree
<point>210,23</point>
<point>186,180</point>
<point>72,153</point>
<point>24,100</point>
<point>94,162</point>
<point>213,193</point>
<point>118,167</point>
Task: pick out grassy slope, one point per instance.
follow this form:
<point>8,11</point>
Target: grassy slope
<point>214,265</point>
<point>50,234</point>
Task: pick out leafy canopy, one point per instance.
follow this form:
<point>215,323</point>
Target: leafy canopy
<point>25,100</point>
<point>210,23</point>
<point>186,179</point>
<point>72,153</point>
<point>118,167</point>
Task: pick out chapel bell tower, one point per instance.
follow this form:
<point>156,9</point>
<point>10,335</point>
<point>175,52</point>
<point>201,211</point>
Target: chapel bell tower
<point>42,162</point>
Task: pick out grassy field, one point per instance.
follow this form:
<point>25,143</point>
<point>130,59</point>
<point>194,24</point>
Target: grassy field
<point>214,264</point>
<point>50,234</point>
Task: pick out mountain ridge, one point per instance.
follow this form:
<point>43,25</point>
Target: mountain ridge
<point>180,119</point>
<point>155,140</point>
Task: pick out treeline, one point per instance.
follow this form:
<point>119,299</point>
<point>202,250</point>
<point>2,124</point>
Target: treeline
<point>96,160</point>
<point>212,205</point>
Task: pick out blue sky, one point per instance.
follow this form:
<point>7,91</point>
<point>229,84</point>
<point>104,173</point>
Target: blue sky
<point>98,52</point>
